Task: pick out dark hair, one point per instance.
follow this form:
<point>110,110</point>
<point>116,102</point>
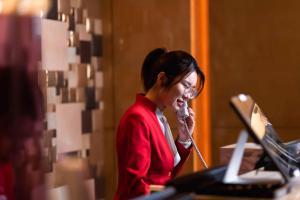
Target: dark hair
<point>175,64</point>
<point>21,102</point>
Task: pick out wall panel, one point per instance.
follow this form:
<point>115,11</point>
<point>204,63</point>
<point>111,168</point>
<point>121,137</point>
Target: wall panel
<point>254,49</point>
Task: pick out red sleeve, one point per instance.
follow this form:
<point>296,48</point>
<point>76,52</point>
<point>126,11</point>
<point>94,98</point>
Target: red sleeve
<point>9,177</point>
<point>184,154</point>
<point>134,148</point>
<point>6,181</point>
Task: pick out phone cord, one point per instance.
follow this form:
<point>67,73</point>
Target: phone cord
<point>195,146</point>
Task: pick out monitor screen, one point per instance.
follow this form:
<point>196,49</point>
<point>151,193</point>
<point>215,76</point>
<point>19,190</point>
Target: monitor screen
<point>262,131</point>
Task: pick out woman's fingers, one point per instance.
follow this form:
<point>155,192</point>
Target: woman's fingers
<point>191,112</point>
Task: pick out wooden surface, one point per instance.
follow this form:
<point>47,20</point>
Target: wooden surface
<point>254,47</point>
<point>130,30</point>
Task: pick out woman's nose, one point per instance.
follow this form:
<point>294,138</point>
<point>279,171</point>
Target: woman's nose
<point>186,97</point>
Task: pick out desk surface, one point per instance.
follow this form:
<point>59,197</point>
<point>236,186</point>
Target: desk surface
<point>294,194</point>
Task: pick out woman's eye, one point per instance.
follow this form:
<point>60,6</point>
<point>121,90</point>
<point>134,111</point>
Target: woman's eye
<point>185,86</point>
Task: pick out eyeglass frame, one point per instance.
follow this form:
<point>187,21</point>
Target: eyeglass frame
<point>190,90</point>
<point>196,92</point>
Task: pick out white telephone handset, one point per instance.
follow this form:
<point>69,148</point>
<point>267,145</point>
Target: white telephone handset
<point>183,113</point>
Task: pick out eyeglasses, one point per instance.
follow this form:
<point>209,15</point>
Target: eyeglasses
<point>189,90</point>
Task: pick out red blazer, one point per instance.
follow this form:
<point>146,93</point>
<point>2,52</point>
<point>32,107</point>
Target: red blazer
<point>144,156</point>
<point>6,181</point>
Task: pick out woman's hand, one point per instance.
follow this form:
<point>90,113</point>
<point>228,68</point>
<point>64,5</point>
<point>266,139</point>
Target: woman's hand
<point>182,132</point>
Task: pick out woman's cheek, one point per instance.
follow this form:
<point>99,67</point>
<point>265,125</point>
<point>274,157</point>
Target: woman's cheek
<point>175,105</point>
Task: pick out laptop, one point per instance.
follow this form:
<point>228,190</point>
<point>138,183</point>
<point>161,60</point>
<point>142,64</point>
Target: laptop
<point>225,180</point>
<point>261,130</point>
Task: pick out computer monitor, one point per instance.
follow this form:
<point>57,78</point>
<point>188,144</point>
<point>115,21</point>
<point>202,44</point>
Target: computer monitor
<point>262,131</point>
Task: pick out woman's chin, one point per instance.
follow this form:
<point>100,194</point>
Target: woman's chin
<point>175,107</point>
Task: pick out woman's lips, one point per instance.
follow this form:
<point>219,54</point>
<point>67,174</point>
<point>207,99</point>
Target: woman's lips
<point>180,102</point>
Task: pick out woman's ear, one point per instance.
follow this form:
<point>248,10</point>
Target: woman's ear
<point>162,79</point>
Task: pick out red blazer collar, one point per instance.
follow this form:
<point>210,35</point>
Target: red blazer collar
<point>140,98</point>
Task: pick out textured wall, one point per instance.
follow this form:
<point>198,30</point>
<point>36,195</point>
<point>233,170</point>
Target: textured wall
<point>71,79</point>
<point>254,49</point>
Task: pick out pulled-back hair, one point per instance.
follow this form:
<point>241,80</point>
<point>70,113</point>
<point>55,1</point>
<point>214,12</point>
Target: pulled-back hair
<point>175,64</point>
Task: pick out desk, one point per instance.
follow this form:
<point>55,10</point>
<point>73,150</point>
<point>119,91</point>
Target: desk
<point>294,194</point>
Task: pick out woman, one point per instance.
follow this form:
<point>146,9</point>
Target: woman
<point>146,154</point>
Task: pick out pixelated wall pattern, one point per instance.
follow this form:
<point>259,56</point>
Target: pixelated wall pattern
<point>71,79</point>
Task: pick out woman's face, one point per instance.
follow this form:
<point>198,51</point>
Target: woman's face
<point>180,92</point>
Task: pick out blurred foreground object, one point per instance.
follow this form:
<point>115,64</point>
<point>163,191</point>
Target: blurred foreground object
<point>21,114</point>
<point>24,7</point>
